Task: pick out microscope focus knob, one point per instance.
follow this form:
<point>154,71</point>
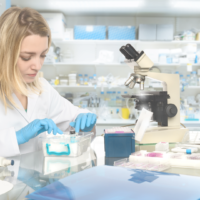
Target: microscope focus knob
<point>171,110</point>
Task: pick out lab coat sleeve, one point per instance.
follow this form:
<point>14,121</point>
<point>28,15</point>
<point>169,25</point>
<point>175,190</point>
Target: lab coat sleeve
<point>61,111</point>
<point>8,143</point>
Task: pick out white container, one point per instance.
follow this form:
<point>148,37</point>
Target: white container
<point>72,82</point>
<point>71,145</point>
<point>69,34</point>
<point>72,76</point>
<point>63,82</point>
<point>57,24</point>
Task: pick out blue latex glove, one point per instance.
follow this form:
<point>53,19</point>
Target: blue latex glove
<point>35,128</point>
<point>84,122</point>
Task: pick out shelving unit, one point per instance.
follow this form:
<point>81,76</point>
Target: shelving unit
<point>93,87</point>
<point>86,52</point>
<point>58,42</point>
<point>113,64</point>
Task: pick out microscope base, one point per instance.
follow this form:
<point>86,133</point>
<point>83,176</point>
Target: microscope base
<point>158,134</point>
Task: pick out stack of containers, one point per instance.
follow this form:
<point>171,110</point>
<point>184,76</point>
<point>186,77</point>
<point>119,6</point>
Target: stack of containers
<point>72,79</point>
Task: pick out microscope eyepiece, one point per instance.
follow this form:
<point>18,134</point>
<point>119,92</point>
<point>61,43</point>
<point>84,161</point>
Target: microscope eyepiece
<point>125,53</point>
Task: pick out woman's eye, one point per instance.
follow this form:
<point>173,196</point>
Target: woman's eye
<point>25,59</point>
<point>43,56</point>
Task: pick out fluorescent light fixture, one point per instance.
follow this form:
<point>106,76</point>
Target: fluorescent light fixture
<point>186,4</point>
<point>98,4</point>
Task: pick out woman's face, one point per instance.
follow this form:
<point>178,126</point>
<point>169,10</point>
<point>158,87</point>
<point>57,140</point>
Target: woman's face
<point>32,54</point>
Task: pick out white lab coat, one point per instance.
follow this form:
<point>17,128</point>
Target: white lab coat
<point>49,104</point>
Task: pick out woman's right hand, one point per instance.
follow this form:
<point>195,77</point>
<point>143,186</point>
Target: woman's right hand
<point>35,128</point>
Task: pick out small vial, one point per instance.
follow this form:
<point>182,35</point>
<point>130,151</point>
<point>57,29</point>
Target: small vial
<point>86,76</point>
<point>85,81</point>
<point>81,81</point>
<point>90,82</point>
<point>57,81</point>
<point>79,77</point>
<point>73,136</point>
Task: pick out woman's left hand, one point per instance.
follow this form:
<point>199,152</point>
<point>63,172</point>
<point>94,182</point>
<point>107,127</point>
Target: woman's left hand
<point>84,122</point>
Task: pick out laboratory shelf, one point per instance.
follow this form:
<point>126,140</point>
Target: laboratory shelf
<point>121,122</point>
<point>112,64</point>
<point>98,87</point>
<point>79,42</point>
<point>192,87</point>
<point>73,86</point>
<point>84,64</point>
<point>122,87</point>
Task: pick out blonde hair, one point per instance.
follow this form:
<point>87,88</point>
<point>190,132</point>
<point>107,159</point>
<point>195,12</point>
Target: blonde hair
<point>16,24</point>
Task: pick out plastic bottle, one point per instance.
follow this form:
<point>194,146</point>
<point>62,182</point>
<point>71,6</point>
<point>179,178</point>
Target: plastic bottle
<point>183,83</point>
<point>190,113</point>
<point>125,110</point>
<point>124,100</point>
<point>188,79</point>
<point>81,81</point>
<point>94,79</point>
<point>194,79</point>
<point>109,98</point>
<point>57,81</point>
<point>85,81</point>
<point>73,136</point>
<point>5,162</point>
<point>79,77</point>
<point>90,82</point>
<point>119,99</point>
<point>85,75</point>
<point>113,99</point>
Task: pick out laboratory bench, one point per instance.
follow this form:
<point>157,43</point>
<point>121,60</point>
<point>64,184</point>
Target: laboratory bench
<point>33,171</point>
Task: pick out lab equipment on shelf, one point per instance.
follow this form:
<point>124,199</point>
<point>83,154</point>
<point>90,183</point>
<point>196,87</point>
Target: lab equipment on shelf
<point>71,145</point>
<point>80,76</point>
<point>72,79</point>
<point>118,99</point>
<point>188,80</point>
<point>90,82</point>
<point>94,79</point>
<point>85,81</point>
<point>57,81</point>
<point>194,79</point>
<point>63,82</point>
<point>119,142</point>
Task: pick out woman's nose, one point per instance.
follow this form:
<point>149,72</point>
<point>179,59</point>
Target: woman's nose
<point>36,65</point>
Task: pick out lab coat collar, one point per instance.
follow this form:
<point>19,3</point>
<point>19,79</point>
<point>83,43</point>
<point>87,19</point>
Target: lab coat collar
<point>20,108</point>
<point>32,99</point>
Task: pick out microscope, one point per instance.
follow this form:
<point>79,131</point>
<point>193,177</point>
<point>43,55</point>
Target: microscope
<point>165,105</point>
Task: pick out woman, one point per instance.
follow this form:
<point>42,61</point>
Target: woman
<point>29,106</point>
